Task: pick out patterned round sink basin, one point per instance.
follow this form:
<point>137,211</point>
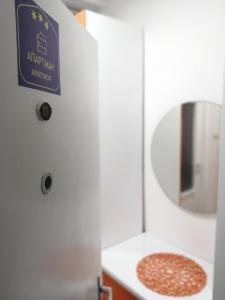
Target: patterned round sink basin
<point>171,274</point>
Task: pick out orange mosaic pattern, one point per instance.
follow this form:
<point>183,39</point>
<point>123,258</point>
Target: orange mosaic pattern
<point>171,275</point>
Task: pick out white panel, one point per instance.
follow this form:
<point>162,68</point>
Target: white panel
<point>185,53</point>
<point>50,245</point>
<point>120,83</point>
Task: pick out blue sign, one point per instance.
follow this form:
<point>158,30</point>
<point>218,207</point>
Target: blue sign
<point>37,48</point>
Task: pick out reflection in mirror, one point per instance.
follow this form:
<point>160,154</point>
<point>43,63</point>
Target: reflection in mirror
<point>185,155</point>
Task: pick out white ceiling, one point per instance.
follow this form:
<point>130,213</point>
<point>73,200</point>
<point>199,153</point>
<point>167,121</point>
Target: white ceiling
<point>86,4</point>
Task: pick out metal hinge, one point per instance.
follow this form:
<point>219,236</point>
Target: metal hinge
<point>104,289</point>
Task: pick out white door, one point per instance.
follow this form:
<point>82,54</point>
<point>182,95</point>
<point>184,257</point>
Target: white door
<point>211,163</point>
<point>49,244</point>
<point>202,197</point>
<point>206,154</point>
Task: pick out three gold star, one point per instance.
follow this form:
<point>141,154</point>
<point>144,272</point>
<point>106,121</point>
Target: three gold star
<point>39,17</point>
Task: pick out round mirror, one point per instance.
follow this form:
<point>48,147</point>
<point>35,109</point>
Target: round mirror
<point>185,155</point>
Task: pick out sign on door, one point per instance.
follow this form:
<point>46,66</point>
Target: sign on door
<point>37,48</point>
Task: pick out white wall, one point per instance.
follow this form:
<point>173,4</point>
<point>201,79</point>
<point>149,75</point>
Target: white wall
<point>185,49</point>
<point>121,94</point>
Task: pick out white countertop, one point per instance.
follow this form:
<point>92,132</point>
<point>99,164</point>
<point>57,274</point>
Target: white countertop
<point>120,263</point>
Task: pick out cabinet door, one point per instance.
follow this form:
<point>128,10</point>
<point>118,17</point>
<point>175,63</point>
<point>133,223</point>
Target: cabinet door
<point>118,291</point>
<point>50,243</point>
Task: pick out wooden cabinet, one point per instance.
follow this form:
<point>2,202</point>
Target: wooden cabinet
<point>119,292</point>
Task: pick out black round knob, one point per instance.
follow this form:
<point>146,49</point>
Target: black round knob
<point>45,111</point>
<point>46,183</point>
